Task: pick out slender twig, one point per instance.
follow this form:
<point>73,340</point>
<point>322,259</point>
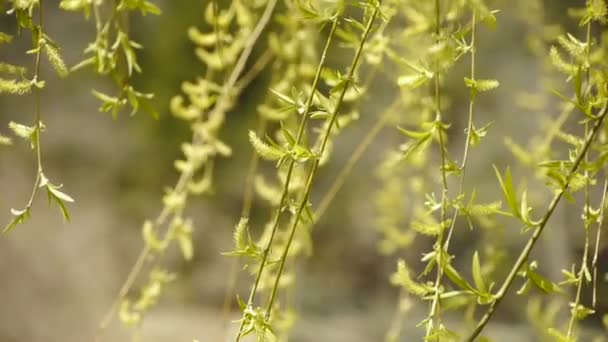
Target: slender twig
<point>38,125</point>
<point>360,150</point>
<point>579,286</point>
<point>315,165</point>
<point>216,28</point>
<point>37,108</point>
<point>217,113</point>
<point>587,205</point>
<point>523,256</point>
<point>467,142</point>
<point>290,168</point>
<point>255,70</point>
<point>245,212</point>
<point>597,242</point>
<point>251,171</point>
<point>435,310</point>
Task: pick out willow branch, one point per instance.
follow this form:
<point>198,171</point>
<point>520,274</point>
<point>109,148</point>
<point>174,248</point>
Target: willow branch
<point>315,165</point>
<point>525,253</point>
<point>218,112</point>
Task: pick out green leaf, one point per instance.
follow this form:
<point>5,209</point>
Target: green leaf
<point>508,190</point>
<point>109,103</point>
<point>543,284</point>
<point>560,337</point>
<point>58,194</point>
<point>580,312</point>
<point>420,140</point>
<point>477,274</point>
<point>287,135</point>
<point>414,134</point>
<point>55,195</point>
<point>489,20</point>
<point>457,279</point>
<point>285,98</point>
<point>478,133</point>
<point>19,217</point>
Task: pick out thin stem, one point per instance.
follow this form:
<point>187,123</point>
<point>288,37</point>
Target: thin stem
<point>37,125</point>
<point>555,128</point>
<point>245,212</point>
<point>37,109</point>
<point>224,101</point>
<point>586,216</point>
<point>250,177</point>
<point>467,143</point>
<point>315,164</point>
<point>579,286</point>
<point>597,242</point>
<point>300,134</point>
<point>181,185</point>
<point>255,70</point>
<point>435,311</point>
<point>216,28</point>
<point>525,253</point>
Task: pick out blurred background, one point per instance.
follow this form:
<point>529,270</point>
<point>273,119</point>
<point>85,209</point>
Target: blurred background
<point>57,279</point>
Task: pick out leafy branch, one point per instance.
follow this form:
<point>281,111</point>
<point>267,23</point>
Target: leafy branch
<point>43,44</point>
<point>525,252</point>
<point>202,140</point>
<point>315,165</point>
<point>290,167</point>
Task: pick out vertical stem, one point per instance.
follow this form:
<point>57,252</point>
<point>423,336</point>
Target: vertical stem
<point>253,166</point>
<point>38,126</point>
<point>290,168</point>
<point>315,165</point>
<point>435,315</point>
<point>216,113</point>
<point>216,27</point>
<point>467,143</point>
<point>579,286</point>
<point>597,242</point>
<point>605,189</point>
<point>37,91</point>
<point>245,212</point>
<point>586,209</point>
